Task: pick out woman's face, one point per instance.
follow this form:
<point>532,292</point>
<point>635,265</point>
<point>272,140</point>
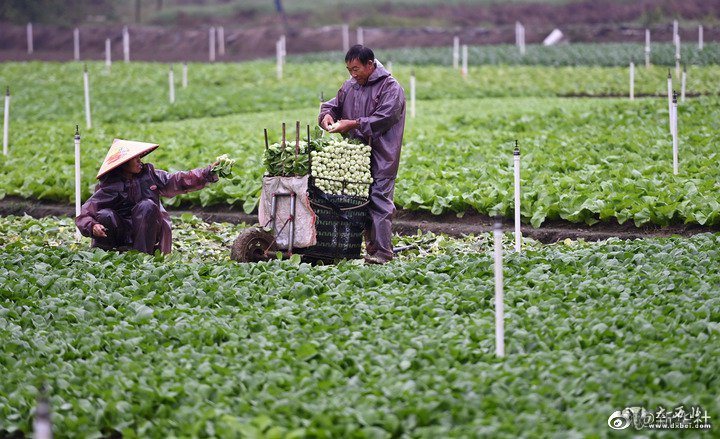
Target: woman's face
<point>134,166</point>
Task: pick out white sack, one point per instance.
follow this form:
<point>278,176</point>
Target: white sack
<point>304,215</point>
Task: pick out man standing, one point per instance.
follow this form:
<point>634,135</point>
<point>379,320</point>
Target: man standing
<point>370,106</point>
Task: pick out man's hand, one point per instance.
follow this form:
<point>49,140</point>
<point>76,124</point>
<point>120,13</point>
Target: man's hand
<point>326,122</point>
<point>98,231</point>
<point>343,126</point>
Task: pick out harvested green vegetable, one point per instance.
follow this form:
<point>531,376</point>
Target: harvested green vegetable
<point>282,160</point>
<point>341,166</point>
<point>224,166</point>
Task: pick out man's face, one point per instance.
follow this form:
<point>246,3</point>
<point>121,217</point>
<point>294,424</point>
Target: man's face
<point>133,166</point>
<point>359,71</point>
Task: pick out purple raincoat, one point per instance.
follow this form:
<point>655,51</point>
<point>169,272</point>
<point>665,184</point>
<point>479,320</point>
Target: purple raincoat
<point>131,210</point>
<point>380,106</point>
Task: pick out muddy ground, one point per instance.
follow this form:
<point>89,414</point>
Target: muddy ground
<point>407,222</point>
<point>251,37</point>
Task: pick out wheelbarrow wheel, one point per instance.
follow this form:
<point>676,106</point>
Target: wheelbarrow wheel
<point>253,245</point>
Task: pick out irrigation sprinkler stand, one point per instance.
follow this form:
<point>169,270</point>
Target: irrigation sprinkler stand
<point>677,55</point>
<point>464,67</point>
<point>42,424</point>
<point>77,179</point>
<point>126,44</point>
<point>670,91</point>
<point>456,52</point>
<point>499,310</point>
<point>108,56</point>
<point>184,75</point>
<point>29,31</point>
<point>675,133</point>
<point>518,233</point>
<point>76,44</point>
<point>171,84</point>
<point>412,95</point>
<point>682,87</point>
<point>211,43</point>
<point>86,83</point>
<point>6,121</point>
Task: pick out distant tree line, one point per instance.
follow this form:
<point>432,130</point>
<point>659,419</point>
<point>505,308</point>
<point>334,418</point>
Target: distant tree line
<point>67,12</point>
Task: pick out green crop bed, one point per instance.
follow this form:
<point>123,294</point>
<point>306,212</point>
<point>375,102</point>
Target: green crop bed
<point>194,345</point>
<point>584,159</point>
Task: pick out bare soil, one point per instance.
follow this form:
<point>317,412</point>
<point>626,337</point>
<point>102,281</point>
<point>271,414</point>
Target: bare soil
<point>251,37</point>
<point>406,222</point>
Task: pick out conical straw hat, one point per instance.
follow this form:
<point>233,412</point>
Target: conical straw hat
<point>123,151</point>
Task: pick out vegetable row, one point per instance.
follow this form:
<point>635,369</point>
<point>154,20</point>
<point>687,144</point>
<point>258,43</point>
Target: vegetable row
<point>154,346</point>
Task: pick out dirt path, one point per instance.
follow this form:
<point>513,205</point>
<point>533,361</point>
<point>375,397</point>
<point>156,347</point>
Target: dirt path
<point>250,37</point>
<point>407,222</point>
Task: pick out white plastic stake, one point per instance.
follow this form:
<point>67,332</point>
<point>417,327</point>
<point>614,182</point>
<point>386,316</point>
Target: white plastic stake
<point>184,75</point>
<point>77,178</point>
<point>30,39</point>
<point>675,134</point>
<point>670,99</point>
<point>701,43</point>
<point>76,44</point>
<point>464,61</point>
<point>345,37</point>
<point>211,43</point>
<point>278,54</point>
<point>360,36</point>
<point>283,48</point>
<point>6,121</point>
<point>412,95</point>
<point>171,84</point>
<point>456,53</point>
<point>516,165</point>
<point>632,81</point>
<point>42,423</point>
<point>221,40</point>
<point>520,37</point>
<point>108,56</point>
<point>86,83</point>
<point>126,44</point>
<point>675,30</point>
<point>499,307</point>
<point>647,48</point>
<point>682,88</point>
<point>677,55</point>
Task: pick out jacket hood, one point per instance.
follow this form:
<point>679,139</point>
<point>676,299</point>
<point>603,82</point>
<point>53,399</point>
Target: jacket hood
<point>379,73</point>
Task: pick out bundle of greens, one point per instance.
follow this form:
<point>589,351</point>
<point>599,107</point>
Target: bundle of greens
<point>341,167</point>
<point>282,160</point>
<point>223,167</point>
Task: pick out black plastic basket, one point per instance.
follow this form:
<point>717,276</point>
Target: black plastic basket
<point>339,227</point>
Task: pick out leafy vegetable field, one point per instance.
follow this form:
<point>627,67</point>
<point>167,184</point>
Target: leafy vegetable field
<point>576,54</point>
<point>584,159</point>
<point>196,345</point>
